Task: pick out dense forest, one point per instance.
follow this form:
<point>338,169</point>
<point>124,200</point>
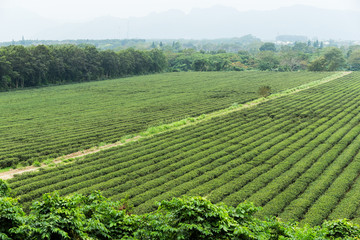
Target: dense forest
<point>56,64</point>
<point>37,65</point>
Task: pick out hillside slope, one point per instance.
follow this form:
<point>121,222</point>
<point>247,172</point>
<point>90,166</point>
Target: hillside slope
<point>297,156</point>
<point>44,123</point>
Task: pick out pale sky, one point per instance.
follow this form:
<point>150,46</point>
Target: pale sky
<point>78,10</point>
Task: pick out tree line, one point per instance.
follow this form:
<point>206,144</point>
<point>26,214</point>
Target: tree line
<point>270,57</point>
<point>57,64</point>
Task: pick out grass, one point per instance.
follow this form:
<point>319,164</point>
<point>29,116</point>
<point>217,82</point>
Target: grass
<point>37,164</point>
<point>5,169</point>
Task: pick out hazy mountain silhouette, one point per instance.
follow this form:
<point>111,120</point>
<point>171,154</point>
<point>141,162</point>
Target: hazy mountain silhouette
<point>18,22</point>
<point>214,22</point>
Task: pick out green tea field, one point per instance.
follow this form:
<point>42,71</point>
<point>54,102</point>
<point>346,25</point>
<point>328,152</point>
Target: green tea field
<point>297,156</point>
<point>38,124</point>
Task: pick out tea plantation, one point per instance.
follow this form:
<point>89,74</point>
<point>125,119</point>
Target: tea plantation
<point>296,156</point>
<point>38,124</point>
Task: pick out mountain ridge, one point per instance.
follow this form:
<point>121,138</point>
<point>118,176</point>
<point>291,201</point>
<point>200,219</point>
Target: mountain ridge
<point>214,22</point>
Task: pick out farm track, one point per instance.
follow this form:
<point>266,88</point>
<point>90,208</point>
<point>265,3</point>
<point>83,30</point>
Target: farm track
<point>11,173</point>
<point>169,127</point>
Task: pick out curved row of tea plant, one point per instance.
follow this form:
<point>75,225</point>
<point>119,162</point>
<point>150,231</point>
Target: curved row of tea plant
<point>49,122</point>
<point>290,155</point>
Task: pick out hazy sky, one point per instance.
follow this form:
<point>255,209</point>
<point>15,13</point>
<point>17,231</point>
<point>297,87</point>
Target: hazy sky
<point>77,10</point>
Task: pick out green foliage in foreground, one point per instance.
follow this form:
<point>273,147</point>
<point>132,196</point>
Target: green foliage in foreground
<point>95,217</point>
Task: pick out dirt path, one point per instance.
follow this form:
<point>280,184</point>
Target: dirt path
<point>10,174</point>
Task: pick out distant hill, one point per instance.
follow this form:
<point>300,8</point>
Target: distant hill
<point>208,23</point>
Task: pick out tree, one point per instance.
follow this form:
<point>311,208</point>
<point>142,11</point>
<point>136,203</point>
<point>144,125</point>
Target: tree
<point>176,46</point>
<point>11,214</point>
<point>318,65</point>
<point>5,73</point>
<point>316,44</point>
<point>351,49</point>
<point>158,60</point>
<point>142,62</point>
<point>200,64</point>
<point>268,46</point>
<point>41,62</point>
<point>22,65</point>
<point>354,60</point>
<point>110,63</point>
<point>218,62</point>
<point>267,60</point>
<point>41,65</point>
<point>290,61</point>
<point>334,58</point>
<point>300,47</point>
<point>93,69</point>
<point>57,218</point>
<point>198,218</point>
<point>331,60</point>
<point>12,217</point>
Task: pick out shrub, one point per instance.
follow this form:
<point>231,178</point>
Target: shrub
<point>264,91</point>
<point>4,189</point>
<point>37,164</point>
<point>96,217</point>
<point>11,218</point>
<point>340,228</point>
